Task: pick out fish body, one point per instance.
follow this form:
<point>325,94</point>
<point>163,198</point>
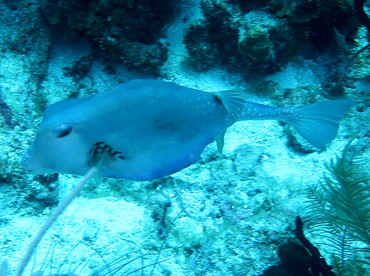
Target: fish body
<point>151,127</point>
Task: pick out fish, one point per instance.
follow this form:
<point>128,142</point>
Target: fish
<point>152,128</point>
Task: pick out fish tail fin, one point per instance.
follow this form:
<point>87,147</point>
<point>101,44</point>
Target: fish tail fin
<point>318,123</point>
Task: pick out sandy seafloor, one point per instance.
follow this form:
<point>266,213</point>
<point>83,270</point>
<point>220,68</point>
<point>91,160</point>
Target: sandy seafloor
<point>228,213</point>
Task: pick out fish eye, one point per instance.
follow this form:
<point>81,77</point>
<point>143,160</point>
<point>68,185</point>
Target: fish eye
<point>63,131</point>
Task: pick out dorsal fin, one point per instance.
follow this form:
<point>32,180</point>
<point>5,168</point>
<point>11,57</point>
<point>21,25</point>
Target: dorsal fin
<point>233,101</point>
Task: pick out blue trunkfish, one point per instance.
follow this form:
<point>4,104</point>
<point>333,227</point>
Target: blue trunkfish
<point>153,128</point>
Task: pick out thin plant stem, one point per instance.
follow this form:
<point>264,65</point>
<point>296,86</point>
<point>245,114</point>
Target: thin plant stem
<point>53,218</point>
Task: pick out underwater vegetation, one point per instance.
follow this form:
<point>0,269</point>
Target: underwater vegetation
<point>76,259</point>
<point>340,210</point>
<point>339,215</point>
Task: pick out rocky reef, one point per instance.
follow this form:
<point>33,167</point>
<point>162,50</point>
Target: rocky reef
<point>127,32</point>
<point>250,37</point>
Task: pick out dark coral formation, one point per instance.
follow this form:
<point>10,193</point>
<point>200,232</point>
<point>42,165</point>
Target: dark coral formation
<point>126,32</point>
<point>6,113</point>
<point>213,41</point>
<point>302,258</point>
<point>246,6</point>
<point>265,35</point>
<point>318,20</point>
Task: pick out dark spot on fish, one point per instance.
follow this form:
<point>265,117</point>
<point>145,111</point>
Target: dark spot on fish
<point>102,150</point>
<point>165,125</point>
<point>217,99</point>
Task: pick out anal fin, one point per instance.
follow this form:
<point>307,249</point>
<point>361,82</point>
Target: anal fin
<point>220,140</point>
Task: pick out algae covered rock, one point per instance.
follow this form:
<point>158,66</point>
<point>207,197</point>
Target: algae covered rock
<point>241,42</point>
<point>318,20</point>
<point>249,37</point>
<point>127,32</point>
<point>213,41</point>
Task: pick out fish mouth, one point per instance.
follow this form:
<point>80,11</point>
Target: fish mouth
<point>27,160</point>
<point>30,163</point>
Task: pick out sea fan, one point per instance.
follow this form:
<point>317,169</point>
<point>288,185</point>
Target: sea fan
<point>340,205</point>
